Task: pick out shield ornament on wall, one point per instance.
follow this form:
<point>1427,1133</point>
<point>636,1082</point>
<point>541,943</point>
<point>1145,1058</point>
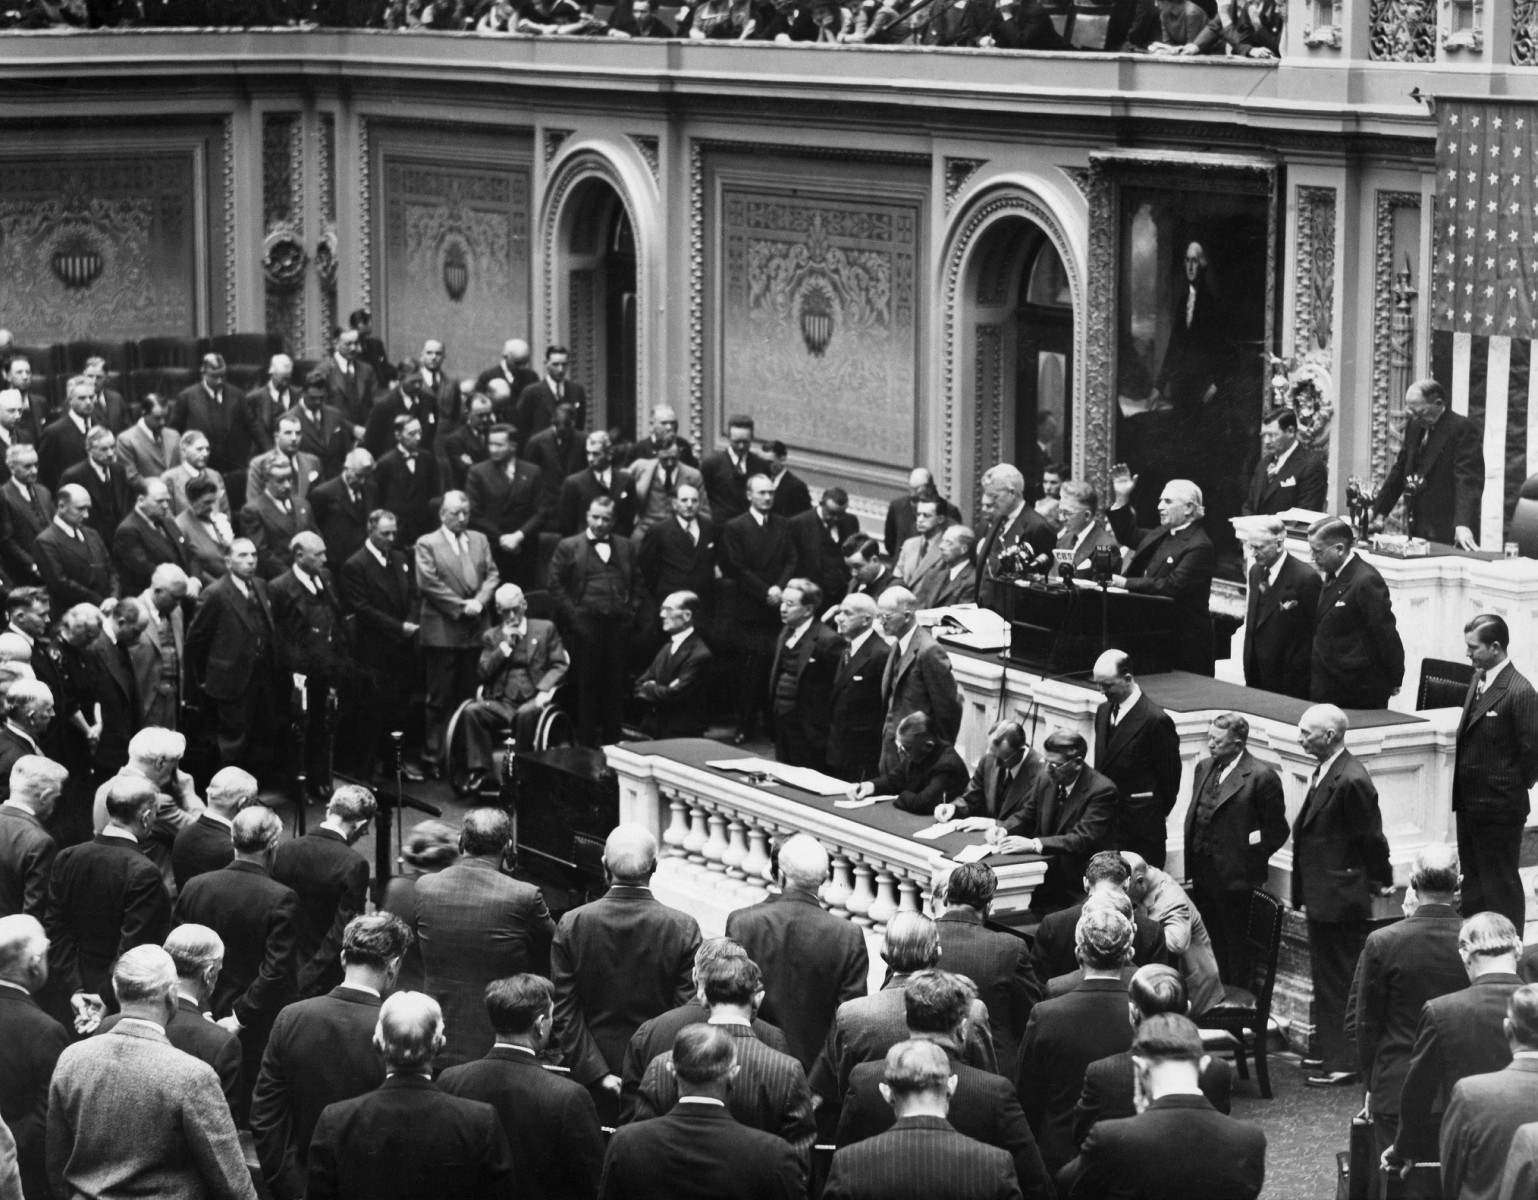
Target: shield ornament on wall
<point>456,271</point>
<point>76,262</point>
<point>817,318</point>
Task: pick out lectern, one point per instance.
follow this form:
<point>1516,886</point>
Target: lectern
<point>1061,630</point>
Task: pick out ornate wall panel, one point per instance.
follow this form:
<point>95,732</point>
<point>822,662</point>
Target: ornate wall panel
<point>1393,341</point>
<point>1403,30</point>
<point>98,246</point>
<point>988,410</point>
<point>818,323</point>
<point>454,254</point>
<point>1313,313</point>
<point>1524,32</point>
<point>326,245</point>
<point>284,255</point>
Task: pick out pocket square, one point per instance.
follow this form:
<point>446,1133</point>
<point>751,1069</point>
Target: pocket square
<point>1288,605</point>
<point>1292,482</point>
<point>856,678</point>
<point>1492,713</point>
<point>1340,604</point>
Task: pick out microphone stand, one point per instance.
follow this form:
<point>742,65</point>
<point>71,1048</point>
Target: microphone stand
<point>301,736</point>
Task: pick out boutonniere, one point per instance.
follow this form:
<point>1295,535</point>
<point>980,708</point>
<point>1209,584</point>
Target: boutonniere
<point>1288,605</point>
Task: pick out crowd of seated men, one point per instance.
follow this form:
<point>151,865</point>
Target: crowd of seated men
<point>1247,28</point>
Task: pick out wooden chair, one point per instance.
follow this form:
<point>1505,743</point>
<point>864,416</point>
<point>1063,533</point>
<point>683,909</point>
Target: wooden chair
<point>1245,1012</point>
<point>1444,683</point>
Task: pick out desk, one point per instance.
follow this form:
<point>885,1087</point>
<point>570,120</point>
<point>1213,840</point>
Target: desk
<point>715,828</point>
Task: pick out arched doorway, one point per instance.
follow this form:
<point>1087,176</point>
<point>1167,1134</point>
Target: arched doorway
<point>1017,336</point>
<point>596,267</point>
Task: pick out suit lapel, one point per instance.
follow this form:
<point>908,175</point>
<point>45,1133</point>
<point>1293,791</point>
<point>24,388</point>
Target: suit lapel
<point>1474,708</point>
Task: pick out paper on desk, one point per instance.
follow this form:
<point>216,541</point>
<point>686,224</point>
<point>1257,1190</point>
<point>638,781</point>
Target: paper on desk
<point>972,854</point>
<point>801,777</point>
<point>865,803</point>
<point>938,830</point>
<point>752,766</point>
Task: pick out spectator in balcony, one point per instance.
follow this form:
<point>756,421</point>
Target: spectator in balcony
<point>1180,23</point>
<point>1247,28</point>
<point>639,19</point>
<point>722,20</point>
<point>1021,25</point>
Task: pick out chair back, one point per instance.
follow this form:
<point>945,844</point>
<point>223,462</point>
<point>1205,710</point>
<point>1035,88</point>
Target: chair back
<point>247,349</point>
<point>1444,683</point>
<point>169,352</point>
<point>1262,948</point>
<point>118,355</point>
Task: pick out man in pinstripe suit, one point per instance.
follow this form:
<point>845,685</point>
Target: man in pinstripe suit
<point>921,1156</point>
<point>1497,762</point>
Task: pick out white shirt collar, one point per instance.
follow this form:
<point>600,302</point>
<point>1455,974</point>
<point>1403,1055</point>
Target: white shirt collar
<point>1284,456</point>
<point>78,421</point>
<point>1324,767</point>
<point>860,640</point>
<point>241,586</point>
<point>17,986</point>
<point>1133,697</point>
<point>377,553</point>
<point>342,363</point>
<point>906,640</point>
<point>1274,571</point>
<point>761,518</point>
<point>1178,528</point>
<point>310,582</point>
<point>18,806</point>
<point>69,530</point>
<point>682,636</point>
<point>1492,672</point>
<point>11,628</point>
<point>958,568</point>
<point>114,831</point>
<point>1014,514</point>
<point>798,633</point>
<point>360,987</point>
<point>700,1100</point>
<point>213,816</point>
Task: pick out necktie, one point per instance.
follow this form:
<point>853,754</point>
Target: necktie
<point>667,482</point>
<point>411,464</point>
<point>1271,468</point>
<point>1313,780</point>
<point>1115,711</point>
<point>1481,681</point>
<point>694,533</point>
<point>1000,787</point>
<point>1262,586</point>
<point>843,662</point>
<point>464,556</point>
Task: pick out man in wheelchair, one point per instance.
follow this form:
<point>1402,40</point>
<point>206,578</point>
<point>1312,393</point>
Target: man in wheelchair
<point>522,663</point>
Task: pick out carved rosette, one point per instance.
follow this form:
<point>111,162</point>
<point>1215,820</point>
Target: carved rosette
<point>957,172</point>
<point>285,255</point>
<point>284,259</point>
<point>1313,312</point>
<point>650,150</point>
<point>1402,31</point>
<point>554,140</point>
<point>1385,436</point>
<point>1524,32</point>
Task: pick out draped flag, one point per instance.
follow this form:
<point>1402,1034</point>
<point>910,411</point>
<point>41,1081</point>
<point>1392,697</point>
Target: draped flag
<point>1484,294</point>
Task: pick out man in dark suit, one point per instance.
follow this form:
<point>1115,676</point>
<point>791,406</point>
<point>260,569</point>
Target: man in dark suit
<point>952,578</point>
<point>918,676</point>
<point>1288,475</point>
<point>321,1051</point>
<point>476,924</point>
<point>147,537</point>
<point>759,556</point>
<point>559,452</point>
<point>72,556</point>
<point>921,1154</point>
<point>331,881</point>
<point>117,694</point>
<point>1066,1034</point>
<point>1110,1085</point>
<point>856,709</point>
<point>1011,522</point>
<point>380,591</point>
<point>996,961</point>
<point>522,664</point>
<point>1004,780</point>
<point>422,396</point>
<point>536,404</point>
<point>106,896</point>
<point>273,518</point>
<point>769,1091</point>
<point>1458,1034</point>
<point>599,478</point>
<point>699,1148</point>
<point>1339,863</point>
<point>1235,822</point>
<point>928,771</point>
<point>1068,822</point>
<point>806,654</point>
<point>255,916</point>
<point>675,688</point>
<point>1179,1145</point>
<point>679,554</point>
<point>664,432</point>
<point>728,471</point>
<point>596,594</point>
<point>463,447</point>
<point>232,647</point>
<point>341,506</point>
<point>512,369</point>
<point>507,504</point>
<point>324,428</point>
<point>617,962</point>
<point>407,1140</point>
<point>30,506</point>
<point>791,495</point>
<point>103,477</point>
<point>819,535</point>
<point>276,396</point>
<point>1358,658</point>
<point>902,512</point>
<point>870,571</point>
<point>550,1121</point>
<point>1402,967</point>
<point>30,1044</point>
<point>1496,764</point>
<point>1281,610</point>
<point>1055,948</point>
<point>983,1106</point>
<point>220,412</point>
<point>63,442</point>
<point>1440,470</point>
<point>27,849</point>
<point>208,844</point>
<point>812,960</point>
<point>407,479</point>
<point>1175,560</point>
<point>349,384</point>
<point>1137,749</point>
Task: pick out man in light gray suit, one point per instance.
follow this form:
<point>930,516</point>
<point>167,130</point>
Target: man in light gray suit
<point>193,451</point>
<point>922,551</point>
<point>129,1114</point>
<point>147,449</point>
<point>657,481</point>
<point>159,655</point>
<point>458,578</point>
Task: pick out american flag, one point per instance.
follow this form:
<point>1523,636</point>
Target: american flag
<point>1484,295</point>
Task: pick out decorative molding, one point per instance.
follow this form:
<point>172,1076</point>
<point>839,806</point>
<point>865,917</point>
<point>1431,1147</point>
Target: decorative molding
<point>285,255</point>
<point>1468,16</point>
<point>325,256</point>
<point>973,221</point>
<point>957,172</point>
<point>582,327</point>
<point>1313,313</point>
<point>578,168</point>
<point>554,140</point>
<point>229,223</point>
<point>1385,437</point>
<point>988,409</point>
<point>1322,31</point>
<point>1524,32</point>
<point>697,292</point>
<point>365,272</point>
<point>650,149</point>
<point>1402,30</point>
<point>1079,176</point>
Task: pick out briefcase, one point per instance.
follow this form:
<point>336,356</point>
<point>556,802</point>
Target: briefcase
<point>1357,1163</point>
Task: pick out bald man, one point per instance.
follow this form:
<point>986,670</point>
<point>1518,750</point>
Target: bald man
<point>512,369</point>
<point>1340,863</point>
<point>148,537</point>
<point>341,506</point>
<point>206,844</point>
<point>72,556</point>
<point>617,962</point>
<point>1174,560</point>
<point>313,637</point>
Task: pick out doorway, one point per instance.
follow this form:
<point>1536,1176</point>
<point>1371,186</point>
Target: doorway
<point>598,266</point>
